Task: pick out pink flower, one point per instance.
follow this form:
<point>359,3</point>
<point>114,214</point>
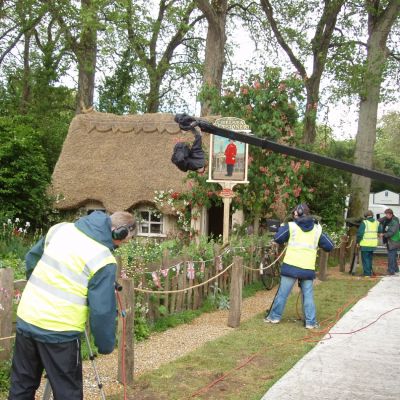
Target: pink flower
<point>297,191</point>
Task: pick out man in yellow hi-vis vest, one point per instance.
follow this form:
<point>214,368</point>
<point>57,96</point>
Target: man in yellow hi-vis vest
<point>71,274</point>
<point>367,240</point>
<point>304,235</point>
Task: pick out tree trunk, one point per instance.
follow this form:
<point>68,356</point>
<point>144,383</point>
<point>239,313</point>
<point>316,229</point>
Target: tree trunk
<point>320,46</point>
<point>214,61</point>
<point>153,97</point>
<point>87,57</point>
<point>310,115</point>
<point>380,24</point>
<point>26,85</point>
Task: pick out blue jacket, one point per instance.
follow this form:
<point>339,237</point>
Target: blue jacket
<point>306,224</point>
<point>101,290</point>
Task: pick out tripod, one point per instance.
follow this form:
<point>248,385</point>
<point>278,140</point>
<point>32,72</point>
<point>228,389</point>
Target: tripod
<point>47,389</point>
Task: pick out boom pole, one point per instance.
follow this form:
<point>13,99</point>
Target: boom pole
<point>185,121</point>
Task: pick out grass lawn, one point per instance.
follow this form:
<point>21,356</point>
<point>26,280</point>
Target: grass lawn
<point>247,361</point>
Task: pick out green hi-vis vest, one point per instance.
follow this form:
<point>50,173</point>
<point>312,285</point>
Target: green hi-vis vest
<point>302,246</point>
<point>55,296</point>
<point>370,238</point>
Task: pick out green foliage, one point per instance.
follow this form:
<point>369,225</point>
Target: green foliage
<point>15,241</point>
<point>268,104</point>
<point>23,172</point>
<point>218,299</point>
<point>331,189</point>
<point>141,326</point>
<point>387,149</point>
<point>5,374</point>
<point>115,93</point>
<point>147,71</point>
<point>48,113</point>
<point>170,321</point>
<point>199,194</point>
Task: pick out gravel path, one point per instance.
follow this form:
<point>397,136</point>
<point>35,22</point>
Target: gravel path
<point>167,346</point>
<point>164,347</point>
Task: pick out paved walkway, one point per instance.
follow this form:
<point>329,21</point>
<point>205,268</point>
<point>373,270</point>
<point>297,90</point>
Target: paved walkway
<point>359,366</point>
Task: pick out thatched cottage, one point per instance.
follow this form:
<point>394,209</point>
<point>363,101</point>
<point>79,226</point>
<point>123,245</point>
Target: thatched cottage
<point>115,162</point>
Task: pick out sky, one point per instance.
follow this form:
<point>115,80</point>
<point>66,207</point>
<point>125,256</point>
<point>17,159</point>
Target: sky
<point>341,118</point>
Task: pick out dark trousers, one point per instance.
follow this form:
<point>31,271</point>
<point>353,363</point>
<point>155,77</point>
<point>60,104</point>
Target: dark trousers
<point>392,262</point>
<point>62,362</point>
<point>229,169</point>
<point>366,258</point>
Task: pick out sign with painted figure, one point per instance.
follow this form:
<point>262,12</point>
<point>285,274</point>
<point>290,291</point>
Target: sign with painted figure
<point>228,158</point>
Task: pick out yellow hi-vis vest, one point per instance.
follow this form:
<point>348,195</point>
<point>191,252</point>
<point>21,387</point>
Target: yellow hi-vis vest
<point>370,238</point>
<point>55,296</point>
<point>302,246</point>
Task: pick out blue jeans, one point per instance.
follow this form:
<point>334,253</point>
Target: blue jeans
<point>283,292</point>
<point>392,262</point>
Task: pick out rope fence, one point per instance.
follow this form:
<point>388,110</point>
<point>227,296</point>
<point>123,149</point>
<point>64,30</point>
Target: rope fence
<point>137,289</point>
<point>268,266</point>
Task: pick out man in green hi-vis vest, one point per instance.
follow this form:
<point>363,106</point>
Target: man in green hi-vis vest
<point>367,240</point>
<point>389,232</point>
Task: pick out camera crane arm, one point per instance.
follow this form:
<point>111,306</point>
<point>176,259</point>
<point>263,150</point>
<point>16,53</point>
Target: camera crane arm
<point>187,122</point>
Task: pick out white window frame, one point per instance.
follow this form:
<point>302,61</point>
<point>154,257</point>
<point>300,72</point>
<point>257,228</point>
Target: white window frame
<point>149,222</point>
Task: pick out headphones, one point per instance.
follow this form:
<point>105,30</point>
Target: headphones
<point>122,231</point>
<point>299,210</point>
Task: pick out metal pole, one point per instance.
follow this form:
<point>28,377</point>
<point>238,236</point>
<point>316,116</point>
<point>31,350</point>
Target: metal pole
<point>91,356</point>
<point>48,391</point>
<point>206,126</point>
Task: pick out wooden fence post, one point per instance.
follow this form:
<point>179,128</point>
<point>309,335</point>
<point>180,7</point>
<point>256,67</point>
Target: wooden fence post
<point>352,249</point>
<point>118,273</point>
<point>235,308</point>
<point>323,265</point>
<point>342,253</point>
<point>217,282</point>
<point>6,303</point>
<point>164,263</point>
<point>126,336</point>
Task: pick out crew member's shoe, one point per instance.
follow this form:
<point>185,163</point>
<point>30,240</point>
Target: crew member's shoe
<point>271,321</point>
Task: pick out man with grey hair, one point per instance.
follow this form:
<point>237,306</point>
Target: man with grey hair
<point>367,240</point>
<point>390,234</point>
<point>71,276</point>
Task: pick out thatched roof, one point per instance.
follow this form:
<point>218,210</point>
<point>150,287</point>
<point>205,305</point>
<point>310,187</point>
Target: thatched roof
<point>117,161</point>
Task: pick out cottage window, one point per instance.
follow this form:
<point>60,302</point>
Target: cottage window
<point>151,223</point>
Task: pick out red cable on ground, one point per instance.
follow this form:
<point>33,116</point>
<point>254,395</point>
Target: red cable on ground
<point>221,378</point>
<point>304,339</point>
<point>122,313</point>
